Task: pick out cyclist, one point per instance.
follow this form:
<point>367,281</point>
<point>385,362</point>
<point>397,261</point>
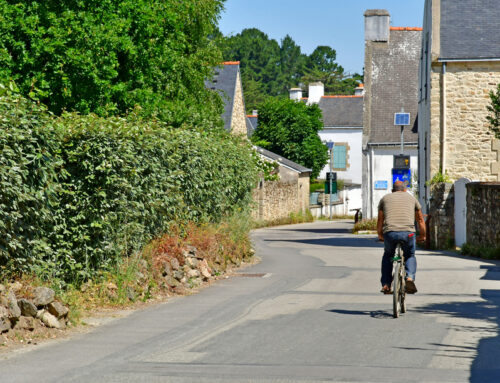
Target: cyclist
<point>397,213</point>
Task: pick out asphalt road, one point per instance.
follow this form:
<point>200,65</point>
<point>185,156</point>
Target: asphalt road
<point>310,311</point>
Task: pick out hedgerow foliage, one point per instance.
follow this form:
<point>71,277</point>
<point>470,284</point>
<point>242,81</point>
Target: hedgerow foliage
<point>79,192</point>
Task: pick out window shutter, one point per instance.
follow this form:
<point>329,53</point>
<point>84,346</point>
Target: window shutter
<point>339,157</point>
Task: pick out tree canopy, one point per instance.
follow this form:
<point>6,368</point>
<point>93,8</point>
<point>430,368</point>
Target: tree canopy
<point>290,128</point>
<point>109,56</point>
<point>270,68</point>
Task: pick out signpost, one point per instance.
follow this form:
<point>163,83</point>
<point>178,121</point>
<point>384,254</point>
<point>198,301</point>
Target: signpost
<point>330,145</point>
<point>401,167</point>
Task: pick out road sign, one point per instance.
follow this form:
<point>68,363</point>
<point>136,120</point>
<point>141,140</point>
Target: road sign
<point>401,161</point>
<point>330,145</point>
<point>403,175</point>
<point>401,119</point>
<point>332,175</point>
<point>334,189</point>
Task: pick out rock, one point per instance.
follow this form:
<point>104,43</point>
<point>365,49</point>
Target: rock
<point>57,309</point>
<point>174,262</point>
<point>111,286</point>
<point>15,311</point>
<point>192,262</point>
<point>28,309</point>
<point>178,274</point>
<point>167,268</point>
<point>2,289</point>
<point>131,295</point>
<point>4,319</point>
<point>49,320</point>
<point>193,273</point>
<point>204,269</point>
<point>43,296</point>
<point>16,286</point>
<point>171,281</point>
<point>25,323</point>
<point>3,340</point>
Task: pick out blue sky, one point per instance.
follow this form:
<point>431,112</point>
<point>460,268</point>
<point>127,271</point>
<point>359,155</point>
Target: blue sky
<point>336,23</point>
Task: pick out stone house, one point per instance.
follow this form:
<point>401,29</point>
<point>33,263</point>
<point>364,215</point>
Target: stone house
<point>391,86</point>
<point>273,199</point>
<point>459,66</point>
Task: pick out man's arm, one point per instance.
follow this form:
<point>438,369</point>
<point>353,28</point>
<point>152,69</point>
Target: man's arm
<point>380,225</point>
<point>421,225</point>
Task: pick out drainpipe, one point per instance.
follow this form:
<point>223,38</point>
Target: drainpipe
<point>371,181</point>
<point>443,122</point>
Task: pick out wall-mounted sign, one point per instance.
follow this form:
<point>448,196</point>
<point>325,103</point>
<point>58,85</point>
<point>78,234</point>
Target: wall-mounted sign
<point>401,161</point>
<point>381,185</point>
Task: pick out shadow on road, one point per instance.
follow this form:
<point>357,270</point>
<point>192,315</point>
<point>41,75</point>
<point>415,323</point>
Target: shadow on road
<point>322,231</point>
<point>378,314</point>
<point>485,367</point>
<point>335,241</point>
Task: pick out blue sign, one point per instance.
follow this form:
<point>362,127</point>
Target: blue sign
<point>401,118</point>
<point>381,185</point>
<point>330,145</point>
<point>403,175</point>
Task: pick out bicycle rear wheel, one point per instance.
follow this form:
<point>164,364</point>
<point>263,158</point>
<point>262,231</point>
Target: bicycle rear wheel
<point>396,291</point>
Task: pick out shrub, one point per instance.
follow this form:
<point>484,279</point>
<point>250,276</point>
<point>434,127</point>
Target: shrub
<point>80,192</point>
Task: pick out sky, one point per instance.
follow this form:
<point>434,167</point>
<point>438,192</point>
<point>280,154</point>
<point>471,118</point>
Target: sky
<point>336,23</point>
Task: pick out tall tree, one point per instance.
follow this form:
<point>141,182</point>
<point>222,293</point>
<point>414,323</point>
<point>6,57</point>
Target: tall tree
<point>290,128</point>
<point>108,56</point>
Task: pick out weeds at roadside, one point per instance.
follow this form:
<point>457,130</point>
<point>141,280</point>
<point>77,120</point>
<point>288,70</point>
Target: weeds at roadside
<point>365,225</point>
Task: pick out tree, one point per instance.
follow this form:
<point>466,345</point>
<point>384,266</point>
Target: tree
<point>290,128</point>
<point>109,56</point>
<point>494,109</point>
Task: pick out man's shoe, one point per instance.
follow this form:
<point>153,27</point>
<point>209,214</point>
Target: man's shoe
<point>410,287</point>
<point>386,289</point>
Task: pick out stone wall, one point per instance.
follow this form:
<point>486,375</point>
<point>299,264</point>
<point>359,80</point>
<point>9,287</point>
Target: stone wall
<point>442,217</point>
<point>238,119</point>
<point>483,212</point>
<point>468,149</point>
<point>278,199</point>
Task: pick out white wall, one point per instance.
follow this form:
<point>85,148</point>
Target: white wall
<point>353,137</point>
<point>383,162</point>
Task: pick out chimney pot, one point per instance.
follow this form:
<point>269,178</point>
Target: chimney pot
<point>377,25</point>
<point>316,91</point>
<point>295,94</point>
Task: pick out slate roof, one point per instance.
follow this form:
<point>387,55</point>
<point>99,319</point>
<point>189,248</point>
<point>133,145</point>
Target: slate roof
<point>395,85</point>
<point>252,123</point>
<point>224,81</point>
<point>470,29</point>
<point>342,111</point>
<point>282,160</point>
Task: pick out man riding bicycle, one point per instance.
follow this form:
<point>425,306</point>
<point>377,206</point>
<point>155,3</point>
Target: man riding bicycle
<point>397,213</point>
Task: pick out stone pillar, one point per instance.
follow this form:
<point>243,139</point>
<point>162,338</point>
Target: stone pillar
<point>442,220</point>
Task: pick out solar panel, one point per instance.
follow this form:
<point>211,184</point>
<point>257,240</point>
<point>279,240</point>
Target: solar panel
<point>401,118</point>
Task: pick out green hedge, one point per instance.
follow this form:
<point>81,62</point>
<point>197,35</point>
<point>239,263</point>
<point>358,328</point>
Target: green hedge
<point>79,192</point>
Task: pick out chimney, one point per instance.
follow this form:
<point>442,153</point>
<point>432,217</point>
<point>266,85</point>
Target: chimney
<point>295,94</point>
<point>360,90</point>
<point>254,112</point>
<point>316,91</point>
<point>377,25</point>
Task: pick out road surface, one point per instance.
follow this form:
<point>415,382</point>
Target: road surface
<point>310,311</point>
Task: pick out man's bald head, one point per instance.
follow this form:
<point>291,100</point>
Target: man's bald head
<point>398,186</point>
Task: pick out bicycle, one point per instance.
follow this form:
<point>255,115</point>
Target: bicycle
<point>398,282</point>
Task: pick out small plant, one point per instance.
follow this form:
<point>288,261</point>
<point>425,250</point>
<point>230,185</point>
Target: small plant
<point>439,177</point>
<point>365,225</point>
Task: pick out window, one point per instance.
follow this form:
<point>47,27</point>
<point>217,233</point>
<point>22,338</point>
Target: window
<point>339,157</point>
